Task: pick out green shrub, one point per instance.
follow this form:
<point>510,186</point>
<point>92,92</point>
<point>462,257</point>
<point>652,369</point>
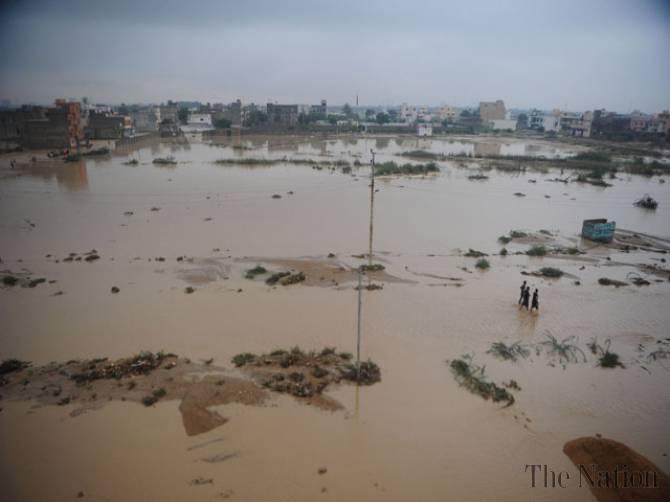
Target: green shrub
<point>242,359</point>
<point>537,250</point>
<point>482,264</point>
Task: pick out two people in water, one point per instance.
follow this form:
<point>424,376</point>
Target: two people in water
<point>524,298</point>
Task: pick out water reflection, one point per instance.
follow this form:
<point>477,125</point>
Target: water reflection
<point>487,148</point>
<point>71,176</point>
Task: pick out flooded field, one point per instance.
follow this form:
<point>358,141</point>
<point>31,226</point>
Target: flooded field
<point>416,435</point>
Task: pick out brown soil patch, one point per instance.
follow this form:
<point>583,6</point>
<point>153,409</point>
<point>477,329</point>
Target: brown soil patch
<point>146,378</point>
<point>322,272</point>
<point>306,375</point>
<point>607,455</point>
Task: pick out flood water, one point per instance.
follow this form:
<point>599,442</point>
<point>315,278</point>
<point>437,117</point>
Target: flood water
<point>416,435</point>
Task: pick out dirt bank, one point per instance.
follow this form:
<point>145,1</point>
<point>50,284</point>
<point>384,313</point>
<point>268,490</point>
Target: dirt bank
<point>609,455</point>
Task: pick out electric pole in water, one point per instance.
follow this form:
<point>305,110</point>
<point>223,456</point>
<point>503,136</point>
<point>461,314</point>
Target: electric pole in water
<point>372,202</point>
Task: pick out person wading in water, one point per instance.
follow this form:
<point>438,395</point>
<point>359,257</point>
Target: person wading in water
<point>536,301</point>
<point>526,297</point>
<point>523,289</point>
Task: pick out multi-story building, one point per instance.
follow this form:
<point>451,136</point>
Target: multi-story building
<point>408,113</point>
<point>13,122</point>
<point>286,115</point>
<point>60,127</point>
<point>640,122</point>
<point>103,125</point>
<point>491,110</point>
<point>321,109</point>
<point>147,119</point>
<point>448,113</point>
<point>540,121</point>
<point>169,114</point>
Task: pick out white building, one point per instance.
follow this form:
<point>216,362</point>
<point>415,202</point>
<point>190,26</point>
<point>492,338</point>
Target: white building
<point>198,122</point>
<point>408,113</point>
<point>147,119</point>
<point>424,130</point>
<point>547,123</point>
<point>502,124</point>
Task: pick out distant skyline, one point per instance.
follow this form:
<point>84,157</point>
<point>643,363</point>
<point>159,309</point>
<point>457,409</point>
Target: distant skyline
<point>574,55</point>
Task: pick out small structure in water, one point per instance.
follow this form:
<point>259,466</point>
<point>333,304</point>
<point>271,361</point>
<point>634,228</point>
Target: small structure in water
<point>598,230</point>
<point>646,202</point>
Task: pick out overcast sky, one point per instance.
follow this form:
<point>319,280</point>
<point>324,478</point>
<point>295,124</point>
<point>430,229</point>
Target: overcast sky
<point>572,54</point>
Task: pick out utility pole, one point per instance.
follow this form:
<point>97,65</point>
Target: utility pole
<point>372,202</point>
<point>358,330</point>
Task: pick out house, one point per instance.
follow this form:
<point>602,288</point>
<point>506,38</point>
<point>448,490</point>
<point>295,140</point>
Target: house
<point>198,122</point>
<point>286,115</point>
<point>539,121</point>
<point>448,113</point>
<point>424,130</point>
<point>169,114</point>
<point>492,110</point>
<point>408,113</point>
<point>502,124</point>
<point>146,119</point>
<point>60,127</point>
<point>109,126</point>
<point>13,122</point>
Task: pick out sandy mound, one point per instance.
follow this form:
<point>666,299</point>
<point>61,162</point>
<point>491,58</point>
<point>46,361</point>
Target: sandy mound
<point>607,455</point>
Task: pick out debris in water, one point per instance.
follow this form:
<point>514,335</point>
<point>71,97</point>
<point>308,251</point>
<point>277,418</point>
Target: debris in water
<point>646,202</point>
<point>604,281</point>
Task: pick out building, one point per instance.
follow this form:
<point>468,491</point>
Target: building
<point>424,130</point>
<point>539,121</point>
<point>492,110</point>
<point>502,124</point>
<point>610,125</point>
<point>60,128</point>
<point>448,113</point>
<point>147,119</point>
<point>103,125</point>
<point>580,127</point>
<point>13,122</point>
<point>639,122</point>
<point>321,109</point>
<point>198,122</point>
<point>169,114</point>
<point>285,115</point>
<point>408,113</point>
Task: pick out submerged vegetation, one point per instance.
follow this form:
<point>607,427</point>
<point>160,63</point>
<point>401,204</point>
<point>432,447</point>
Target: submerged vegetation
<point>375,267</point>
<point>551,272</point>
<point>472,377</point>
<point>391,168</point>
<point>509,352</point>
<point>306,374</point>
<point>566,350</point>
<point>537,250</point>
<point>253,272</point>
<point>423,154</point>
<point>606,359</point>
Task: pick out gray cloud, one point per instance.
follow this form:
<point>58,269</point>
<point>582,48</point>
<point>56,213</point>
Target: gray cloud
<point>572,54</point>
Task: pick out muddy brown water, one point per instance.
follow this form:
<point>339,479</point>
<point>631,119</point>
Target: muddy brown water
<point>414,436</point>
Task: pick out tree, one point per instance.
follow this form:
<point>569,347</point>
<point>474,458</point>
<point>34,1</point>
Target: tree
<point>383,118</point>
<point>466,113</point>
<point>347,110</point>
<point>393,115</point>
<point>369,113</point>
<point>182,113</point>
<point>256,117</point>
<point>222,123</point>
<point>332,119</point>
